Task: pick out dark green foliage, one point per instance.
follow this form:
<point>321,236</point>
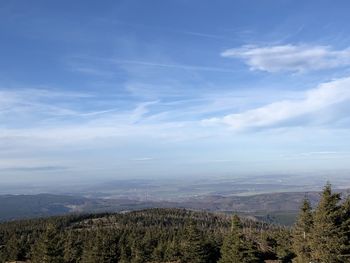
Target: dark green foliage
<point>177,235</point>
<point>100,246</point>
<point>302,233</point>
<point>49,248</point>
<point>155,235</point>
<point>326,239</point>
<point>284,247</point>
<point>345,227</point>
<point>194,245</point>
<point>237,248</point>
<point>72,247</point>
<point>323,235</point>
<point>14,248</point>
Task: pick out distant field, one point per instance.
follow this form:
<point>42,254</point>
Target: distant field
<point>276,208</point>
<point>280,208</point>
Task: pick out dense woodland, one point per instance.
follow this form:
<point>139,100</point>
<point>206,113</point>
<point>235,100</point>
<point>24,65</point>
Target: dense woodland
<point>176,235</point>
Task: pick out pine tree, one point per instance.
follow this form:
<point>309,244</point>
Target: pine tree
<point>284,246</point>
<point>302,233</point>
<point>49,248</point>
<point>137,252</point>
<point>158,253</point>
<point>194,247</point>
<point>101,247</point>
<point>13,249</point>
<point>149,243</point>
<point>172,251</point>
<point>236,247</point>
<point>125,252</point>
<point>326,240</point>
<point>345,229</point>
<point>72,248</point>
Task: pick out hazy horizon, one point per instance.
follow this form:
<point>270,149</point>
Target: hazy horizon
<point>95,92</point>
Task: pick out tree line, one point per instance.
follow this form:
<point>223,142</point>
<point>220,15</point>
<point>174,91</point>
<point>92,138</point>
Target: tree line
<point>177,235</point>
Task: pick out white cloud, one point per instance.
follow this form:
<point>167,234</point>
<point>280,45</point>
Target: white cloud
<point>324,96</point>
<point>292,58</point>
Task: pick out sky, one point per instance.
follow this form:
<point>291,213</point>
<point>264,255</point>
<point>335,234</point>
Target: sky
<point>93,90</point>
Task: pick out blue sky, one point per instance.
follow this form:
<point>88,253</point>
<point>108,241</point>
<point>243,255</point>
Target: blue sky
<point>130,89</point>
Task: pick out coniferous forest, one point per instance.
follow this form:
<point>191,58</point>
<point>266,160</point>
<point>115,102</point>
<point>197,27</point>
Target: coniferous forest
<point>320,234</point>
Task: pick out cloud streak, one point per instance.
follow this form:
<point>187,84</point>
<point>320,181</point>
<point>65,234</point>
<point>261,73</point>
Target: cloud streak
<point>174,66</point>
<point>324,96</point>
<point>290,58</point>
<point>29,100</point>
<point>34,168</point>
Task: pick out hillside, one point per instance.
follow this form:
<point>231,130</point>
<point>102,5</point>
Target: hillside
<point>275,207</point>
<point>30,206</point>
<point>179,235</point>
<point>154,235</point>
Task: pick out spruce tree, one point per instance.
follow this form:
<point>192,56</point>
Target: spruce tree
<point>49,248</point>
<point>72,248</point>
<point>125,251</point>
<point>14,250</point>
<point>302,233</point>
<point>158,253</point>
<point>101,247</point>
<point>284,246</point>
<point>236,247</point>
<point>172,251</point>
<point>326,240</point>
<point>194,247</point>
<point>137,252</point>
<point>345,229</point>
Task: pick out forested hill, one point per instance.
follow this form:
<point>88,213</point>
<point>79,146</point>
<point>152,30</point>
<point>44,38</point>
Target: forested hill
<point>178,235</point>
<point>30,206</point>
<point>153,235</point>
<point>273,207</point>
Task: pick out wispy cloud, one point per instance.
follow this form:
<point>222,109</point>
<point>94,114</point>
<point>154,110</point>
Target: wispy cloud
<point>170,30</point>
<point>141,110</point>
<point>26,101</point>
<point>34,168</point>
<point>92,71</point>
<point>41,118</point>
<point>174,66</point>
<point>142,159</point>
<point>317,155</point>
<point>324,96</point>
<point>205,35</point>
<point>292,58</point>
